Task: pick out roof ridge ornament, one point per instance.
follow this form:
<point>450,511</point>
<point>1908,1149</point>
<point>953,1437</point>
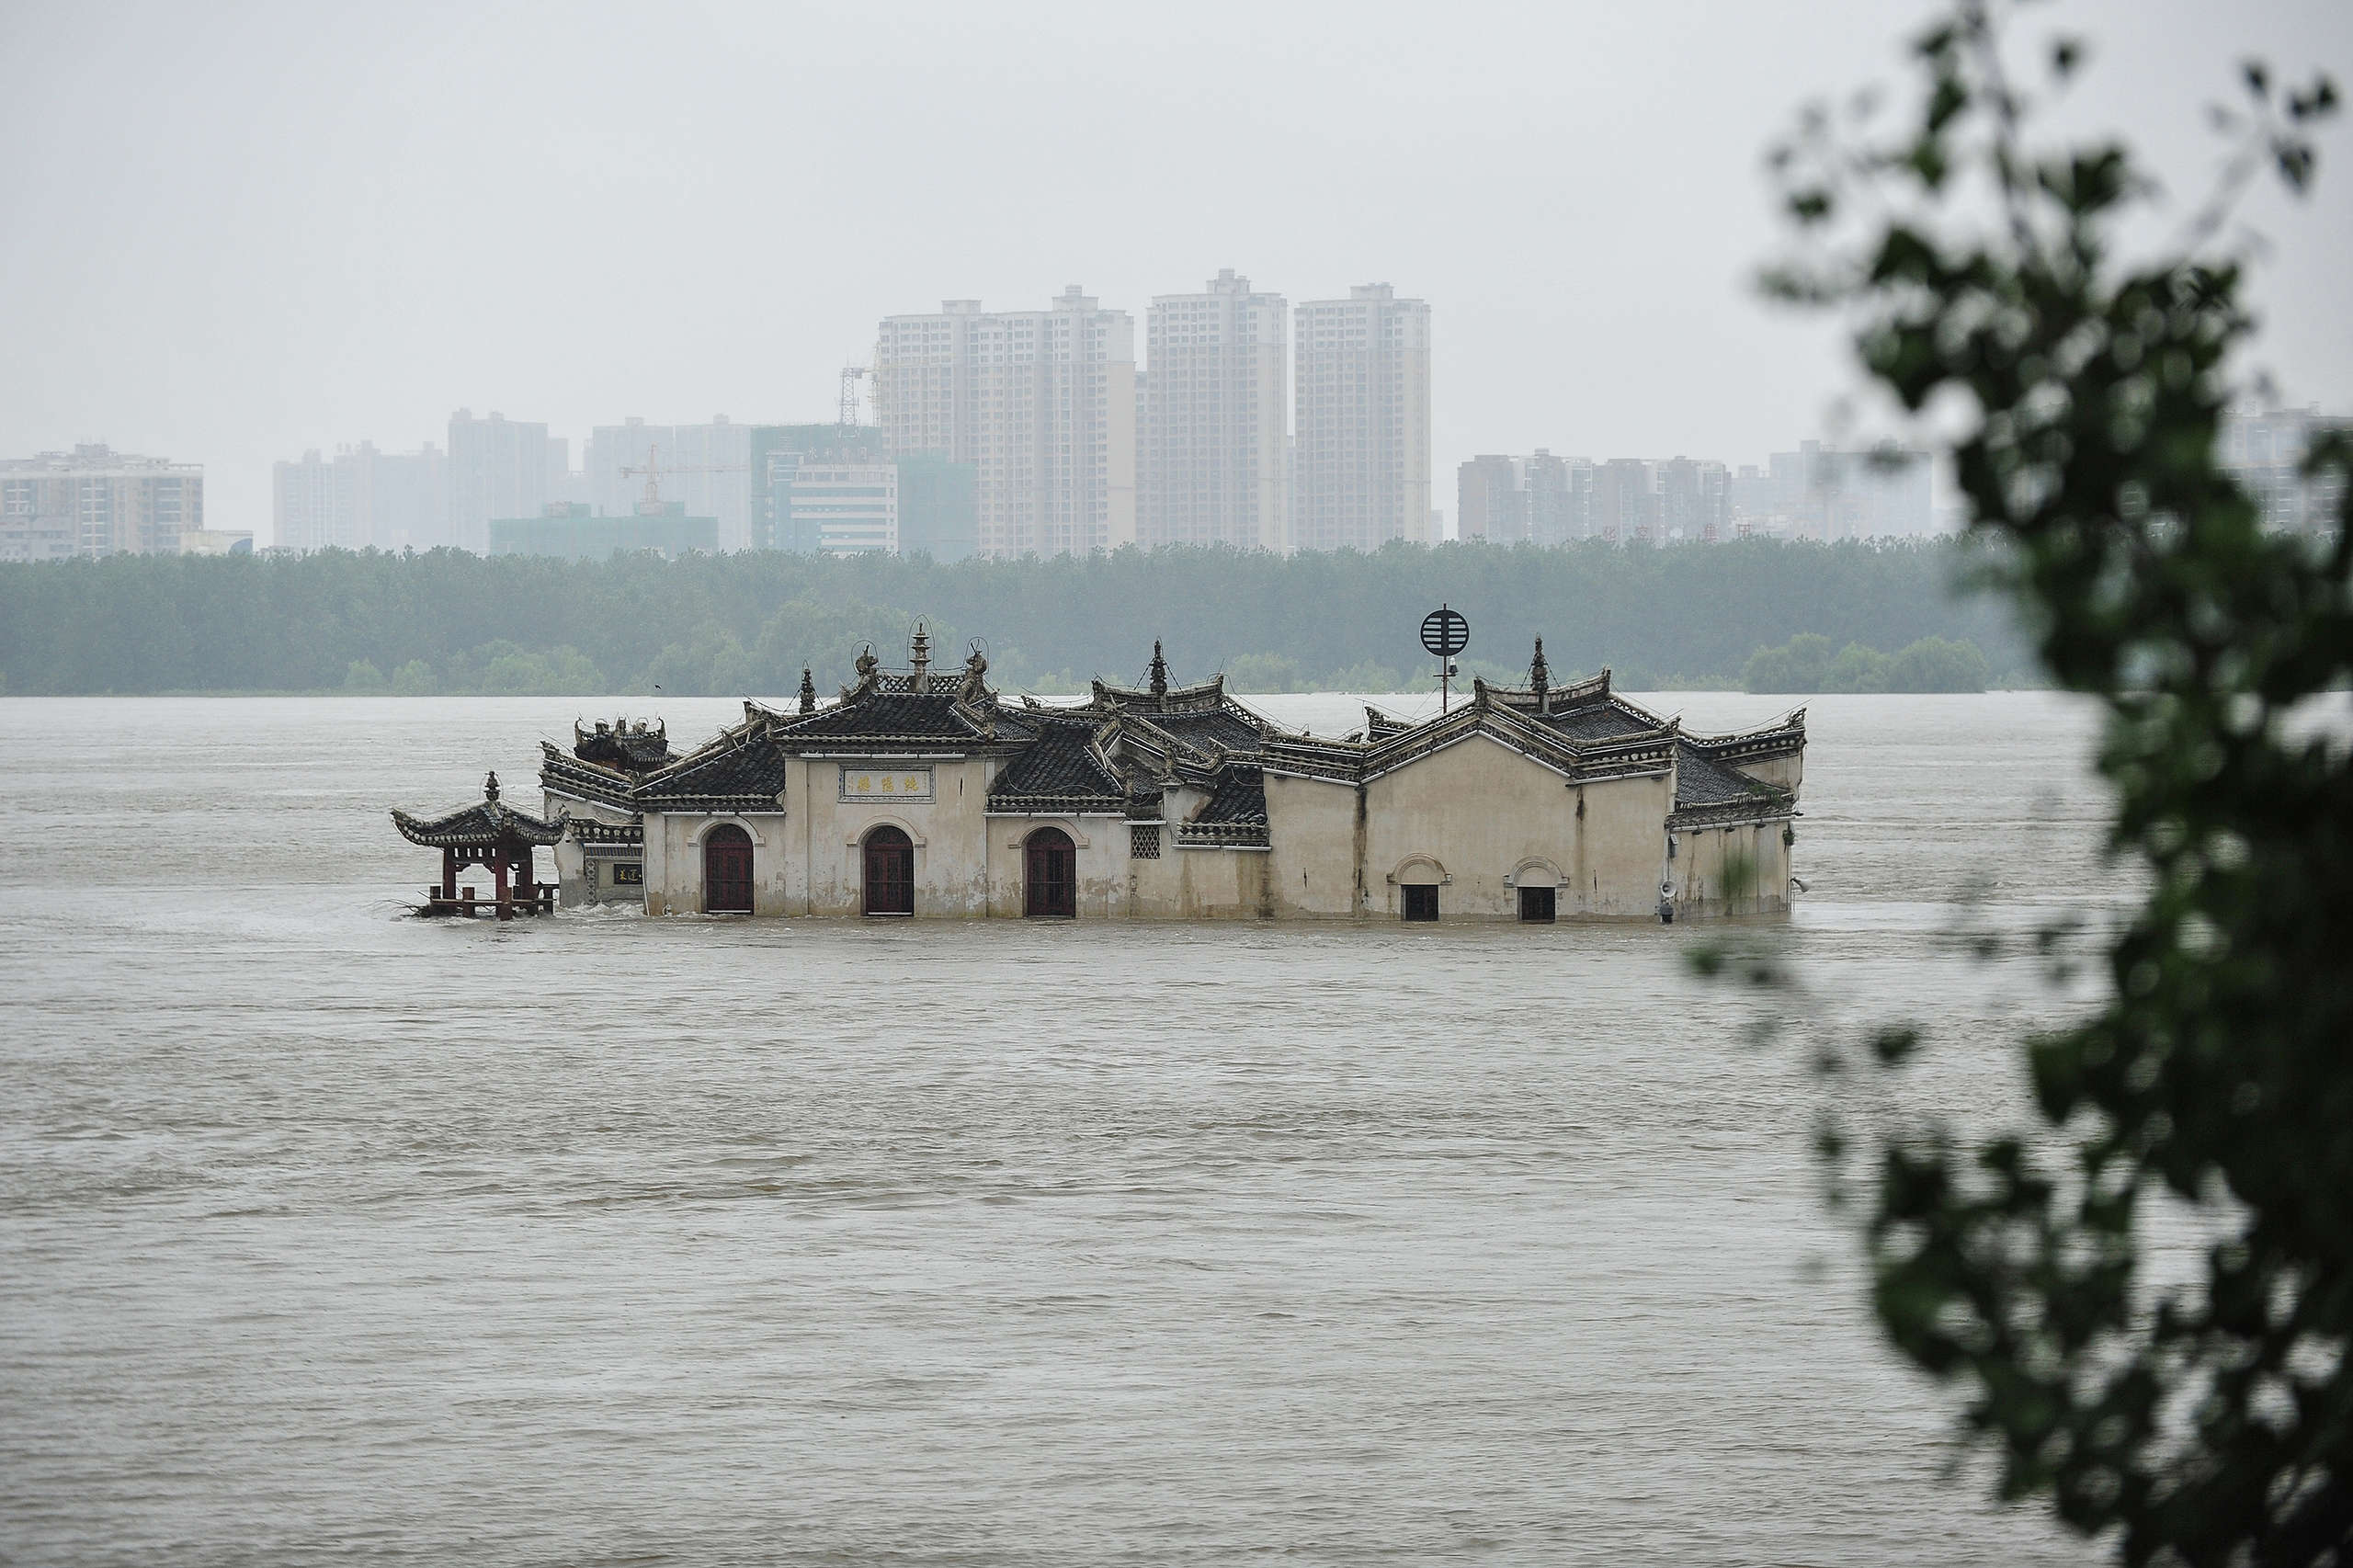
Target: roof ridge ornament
<point>870,675</point>
<point>1159,672</point>
<point>919,656</point>
<point>1539,675</point>
<point>808,691</point>
<point>490,788</point>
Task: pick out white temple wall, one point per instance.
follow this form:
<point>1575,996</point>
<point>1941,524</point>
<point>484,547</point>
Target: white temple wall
<point>949,829</point>
<point>581,878</point>
<point>1157,887</point>
<point>573,886</point>
<point>1621,847</point>
<point>1101,842</point>
<point>674,843</point>
<point>1477,818</point>
<point>1744,870</point>
<point>1524,827</point>
<point>1312,822</point>
<point>1199,884</point>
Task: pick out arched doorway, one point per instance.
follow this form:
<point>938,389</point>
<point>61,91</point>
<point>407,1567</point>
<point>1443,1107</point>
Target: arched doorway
<point>727,871</point>
<point>1050,875</point>
<point>889,872</point>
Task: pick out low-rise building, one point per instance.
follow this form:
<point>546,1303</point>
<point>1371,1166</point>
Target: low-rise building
<point>570,531</point>
<point>917,794</point>
<point>845,508</point>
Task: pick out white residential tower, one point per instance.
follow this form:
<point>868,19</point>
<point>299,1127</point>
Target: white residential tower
<point>1042,403</point>
<point>1216,398</point>
<point>1361,476</point>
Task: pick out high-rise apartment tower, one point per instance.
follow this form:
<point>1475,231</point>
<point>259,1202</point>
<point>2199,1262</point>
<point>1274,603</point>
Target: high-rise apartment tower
<point>361,499</point>
<point>97,501</point>
<point>497,467</point>
<point>1213,464</point>
<point>1042,403</point>
<point>1361,476</point>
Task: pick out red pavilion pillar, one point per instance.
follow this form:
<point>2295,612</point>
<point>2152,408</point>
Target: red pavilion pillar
<point>449,875</point>
<point>498,864</point>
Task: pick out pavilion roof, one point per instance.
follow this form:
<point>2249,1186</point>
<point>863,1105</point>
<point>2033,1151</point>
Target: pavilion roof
<point>487,822</point>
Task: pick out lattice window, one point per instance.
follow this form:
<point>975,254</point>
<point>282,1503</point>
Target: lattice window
<point>1143,841</point>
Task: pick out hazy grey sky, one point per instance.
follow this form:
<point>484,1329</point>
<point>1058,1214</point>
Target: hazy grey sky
<point>231,231</point>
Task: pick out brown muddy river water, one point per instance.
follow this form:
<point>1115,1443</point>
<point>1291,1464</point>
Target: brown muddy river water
<point>331,1235</point>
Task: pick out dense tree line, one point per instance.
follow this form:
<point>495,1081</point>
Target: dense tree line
<point>1813,662</point>
<point>720,625</point>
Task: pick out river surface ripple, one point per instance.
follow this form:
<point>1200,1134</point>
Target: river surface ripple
<point>328,1234</point>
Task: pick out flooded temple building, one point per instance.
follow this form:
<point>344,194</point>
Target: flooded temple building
<point>918,793</point>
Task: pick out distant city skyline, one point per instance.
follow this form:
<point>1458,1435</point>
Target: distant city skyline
<point>238,234</point>
<point>835,488</point>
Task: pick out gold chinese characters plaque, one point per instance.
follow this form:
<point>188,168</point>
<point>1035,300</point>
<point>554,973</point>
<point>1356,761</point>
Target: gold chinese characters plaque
<point>863,782</point>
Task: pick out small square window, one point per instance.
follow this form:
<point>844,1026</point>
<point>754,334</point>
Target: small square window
<point>1143,841</point>
<point>1536,905</point>
<point>1420,900</point>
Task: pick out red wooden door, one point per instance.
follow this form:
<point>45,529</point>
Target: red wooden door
<point>727,871</point>
<point>1050,884</point>
<point>889,872</point>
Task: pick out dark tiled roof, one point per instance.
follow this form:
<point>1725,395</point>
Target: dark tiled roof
<point>566,775</point>
<point>1599,721</point>
<point>1216,729</point>
<point>1240,797</point>
<point>1061,767</point>
<point>1701,781</point>
<point>738,771</point>
<point>885,716</point>
<point>638,750</point>
<point>1235,816</point>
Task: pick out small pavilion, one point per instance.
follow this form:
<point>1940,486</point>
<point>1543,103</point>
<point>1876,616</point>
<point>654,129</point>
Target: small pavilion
<point>486,834</point>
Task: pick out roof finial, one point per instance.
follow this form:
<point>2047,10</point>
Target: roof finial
<point>808,691</point>
<point>921,657</point>
<point>1159,670</point>
<point>1540,673</point>
<point>490,788</point>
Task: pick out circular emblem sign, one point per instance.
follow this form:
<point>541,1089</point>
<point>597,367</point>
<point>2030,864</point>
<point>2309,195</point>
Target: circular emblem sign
<point>1445,632</point>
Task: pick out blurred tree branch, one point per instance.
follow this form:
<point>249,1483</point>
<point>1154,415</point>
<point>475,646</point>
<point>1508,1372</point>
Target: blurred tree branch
<point>2209,1423</point>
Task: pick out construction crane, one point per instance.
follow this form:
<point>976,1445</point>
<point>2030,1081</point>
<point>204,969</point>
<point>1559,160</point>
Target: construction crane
<point>851,376</point>
<point>650,503</point>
